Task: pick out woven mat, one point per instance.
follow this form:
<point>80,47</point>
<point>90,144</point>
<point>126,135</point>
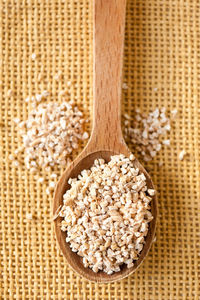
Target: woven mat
<point>161,68</point>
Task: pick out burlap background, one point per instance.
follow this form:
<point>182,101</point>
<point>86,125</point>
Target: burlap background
<point>161,68</point>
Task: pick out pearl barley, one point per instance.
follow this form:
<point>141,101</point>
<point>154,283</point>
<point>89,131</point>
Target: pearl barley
<point>106,214</point>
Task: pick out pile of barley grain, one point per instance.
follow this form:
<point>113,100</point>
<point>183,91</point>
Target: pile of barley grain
<point>147,132</point>
<point>51,133</point>
<point>106,214</point>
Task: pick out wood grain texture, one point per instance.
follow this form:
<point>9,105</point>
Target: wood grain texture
<point>109,25</point>
<point>106,138</point>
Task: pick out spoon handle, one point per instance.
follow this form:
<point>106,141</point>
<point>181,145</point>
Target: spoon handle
<point>109,24</point>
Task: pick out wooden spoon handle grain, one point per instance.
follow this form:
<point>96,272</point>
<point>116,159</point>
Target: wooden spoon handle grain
<point>109,24</point>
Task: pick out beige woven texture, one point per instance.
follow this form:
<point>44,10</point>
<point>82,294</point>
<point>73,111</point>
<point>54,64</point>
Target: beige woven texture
<point>161,68</point>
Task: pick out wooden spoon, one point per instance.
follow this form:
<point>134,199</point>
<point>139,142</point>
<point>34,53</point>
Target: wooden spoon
<point>106,138</point>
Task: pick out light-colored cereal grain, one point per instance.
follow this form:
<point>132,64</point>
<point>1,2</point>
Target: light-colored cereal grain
<point>182,154</point>
<point>33,56</point>
<point>51,132</point>
<point>109,214</point>
<point>147,132</point>
<point>29,216</point>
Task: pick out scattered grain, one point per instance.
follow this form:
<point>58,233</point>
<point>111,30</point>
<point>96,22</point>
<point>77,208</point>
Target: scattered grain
<point>40,77</point>
<point>9,93</point>
<point>16,120</point>
<point>166,142</point>
<point>16,163</point>
<point>45,94</point>
<point>182,155</point>
<point>124,86</point>
<point>48,192</point>
<point>147,133</point>
<point>58,76</point>
<point>53,176</point>
<point>56,215</point>
<point>11,157</point>
<point>174,113</point>
<point>51,185</point>
<point>29,216</point>
<point>41,180</point>
<point>33,56</point>
<point>63,93</point>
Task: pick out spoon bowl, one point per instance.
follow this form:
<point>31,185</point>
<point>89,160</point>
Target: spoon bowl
<point>106,137</point>
<point>75,261</point>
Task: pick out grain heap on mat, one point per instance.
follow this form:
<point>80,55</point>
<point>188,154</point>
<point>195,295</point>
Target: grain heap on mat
<point>50,134</point>
<point>147,132</point>
<point>106,214</point>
